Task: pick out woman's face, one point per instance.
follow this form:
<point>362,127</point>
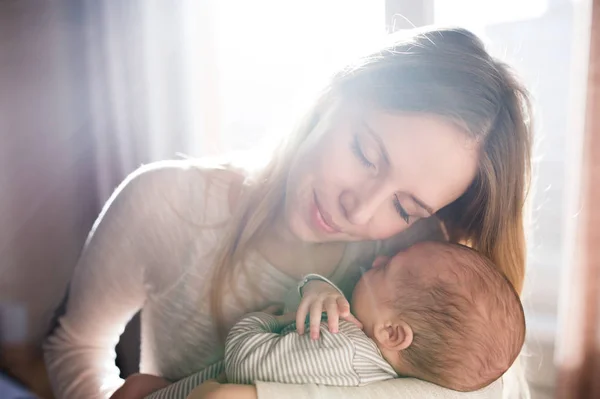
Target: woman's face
<point>367,175</point>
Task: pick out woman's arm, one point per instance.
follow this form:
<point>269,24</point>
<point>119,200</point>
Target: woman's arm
<point>108,287</point>
<point>213,390</point>
<point>400,388</point>
<point>138,386</point>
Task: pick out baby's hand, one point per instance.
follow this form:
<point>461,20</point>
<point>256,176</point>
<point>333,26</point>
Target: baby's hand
<point>319,297</point>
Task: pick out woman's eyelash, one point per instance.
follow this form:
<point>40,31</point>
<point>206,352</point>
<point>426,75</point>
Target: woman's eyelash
<point>363,159</point>
<point>359,153</point>
<point>403,214</point>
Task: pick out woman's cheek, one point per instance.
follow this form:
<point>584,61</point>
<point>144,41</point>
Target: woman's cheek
<point>348,168</point>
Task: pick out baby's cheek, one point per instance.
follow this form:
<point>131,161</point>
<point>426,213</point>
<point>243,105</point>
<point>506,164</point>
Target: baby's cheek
<point>361,305</point>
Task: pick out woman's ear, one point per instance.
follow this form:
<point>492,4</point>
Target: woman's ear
<point>394,335</point>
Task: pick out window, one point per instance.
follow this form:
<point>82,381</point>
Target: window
<point>269,51</point>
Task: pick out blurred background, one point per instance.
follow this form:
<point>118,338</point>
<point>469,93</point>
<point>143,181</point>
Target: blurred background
<point>92,89</point>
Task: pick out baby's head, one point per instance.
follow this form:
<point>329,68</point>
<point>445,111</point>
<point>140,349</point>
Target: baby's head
<point>442,313</point>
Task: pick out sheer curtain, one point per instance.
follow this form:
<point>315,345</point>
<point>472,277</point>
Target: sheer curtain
<point>150,88</point>
<point>90,90</point>
<point>151,82</point>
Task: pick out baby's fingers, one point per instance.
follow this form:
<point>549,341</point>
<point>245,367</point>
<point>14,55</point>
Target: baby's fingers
<point>343,306</point>
<point>301,314</point>
<point>333,315</point>
<point>350,317</point>
<point>316,310</point>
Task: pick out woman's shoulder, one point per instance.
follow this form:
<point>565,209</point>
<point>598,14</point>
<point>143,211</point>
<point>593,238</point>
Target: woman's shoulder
<point>179,207</point>
<point>185,173</point>
<point>187,185</point>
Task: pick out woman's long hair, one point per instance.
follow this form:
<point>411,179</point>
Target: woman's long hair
<point>444,72</point>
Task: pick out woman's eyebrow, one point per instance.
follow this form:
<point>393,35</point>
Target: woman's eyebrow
<point>379,141</point>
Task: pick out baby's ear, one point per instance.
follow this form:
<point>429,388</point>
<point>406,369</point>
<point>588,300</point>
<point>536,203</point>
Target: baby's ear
<point>394,335</point>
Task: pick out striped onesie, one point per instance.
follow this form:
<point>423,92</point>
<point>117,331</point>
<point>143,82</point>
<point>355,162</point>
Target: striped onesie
<point>259,348</point>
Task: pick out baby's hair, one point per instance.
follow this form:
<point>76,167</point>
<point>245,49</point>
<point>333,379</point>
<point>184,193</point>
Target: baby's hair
<point>468,322</point>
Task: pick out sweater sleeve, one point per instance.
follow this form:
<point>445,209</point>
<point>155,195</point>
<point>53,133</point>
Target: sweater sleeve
<point>108,286</point>
<point>256,351</point>
<point>401,388</point>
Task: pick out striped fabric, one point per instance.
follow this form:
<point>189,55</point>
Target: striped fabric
<point>182,388</point>
<point>259,348</point>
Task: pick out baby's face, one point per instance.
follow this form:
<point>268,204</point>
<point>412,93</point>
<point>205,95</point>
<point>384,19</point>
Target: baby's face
<point>374,292</point>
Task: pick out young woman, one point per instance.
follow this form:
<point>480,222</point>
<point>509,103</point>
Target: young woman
<point>430,128</point>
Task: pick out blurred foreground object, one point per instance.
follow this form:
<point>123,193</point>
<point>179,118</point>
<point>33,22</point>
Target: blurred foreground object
<point>578,342</point>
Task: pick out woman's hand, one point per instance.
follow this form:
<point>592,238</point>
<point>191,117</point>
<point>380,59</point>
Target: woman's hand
<point>138,386</point>
<point>206,390</point>
<point>319,297</point>
<point>212,389</point>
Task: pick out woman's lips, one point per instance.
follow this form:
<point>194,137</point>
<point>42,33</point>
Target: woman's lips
<point>322,220</point>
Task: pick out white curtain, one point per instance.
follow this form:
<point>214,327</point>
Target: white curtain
<point>152,86</point>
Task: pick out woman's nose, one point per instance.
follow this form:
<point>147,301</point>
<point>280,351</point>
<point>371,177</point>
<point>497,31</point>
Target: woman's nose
<point>360,207</point>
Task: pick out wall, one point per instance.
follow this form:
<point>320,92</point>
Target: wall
<point>47,179</point>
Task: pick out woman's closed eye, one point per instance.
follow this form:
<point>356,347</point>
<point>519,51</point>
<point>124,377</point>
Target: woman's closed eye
<point>360,154</point>
<point>400,209</point>
<point>370,160</point>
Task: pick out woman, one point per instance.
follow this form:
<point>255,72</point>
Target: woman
<point>429,128</point>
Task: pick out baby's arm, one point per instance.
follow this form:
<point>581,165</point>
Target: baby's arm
<point>251,344</point>
<point>260,326</point>
<point>255,351</point>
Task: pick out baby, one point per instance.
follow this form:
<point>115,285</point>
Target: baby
<point>437,312</point>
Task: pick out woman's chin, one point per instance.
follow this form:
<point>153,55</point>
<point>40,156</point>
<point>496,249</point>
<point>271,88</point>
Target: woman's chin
<point>298,231</point>
<point>308,236</point>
